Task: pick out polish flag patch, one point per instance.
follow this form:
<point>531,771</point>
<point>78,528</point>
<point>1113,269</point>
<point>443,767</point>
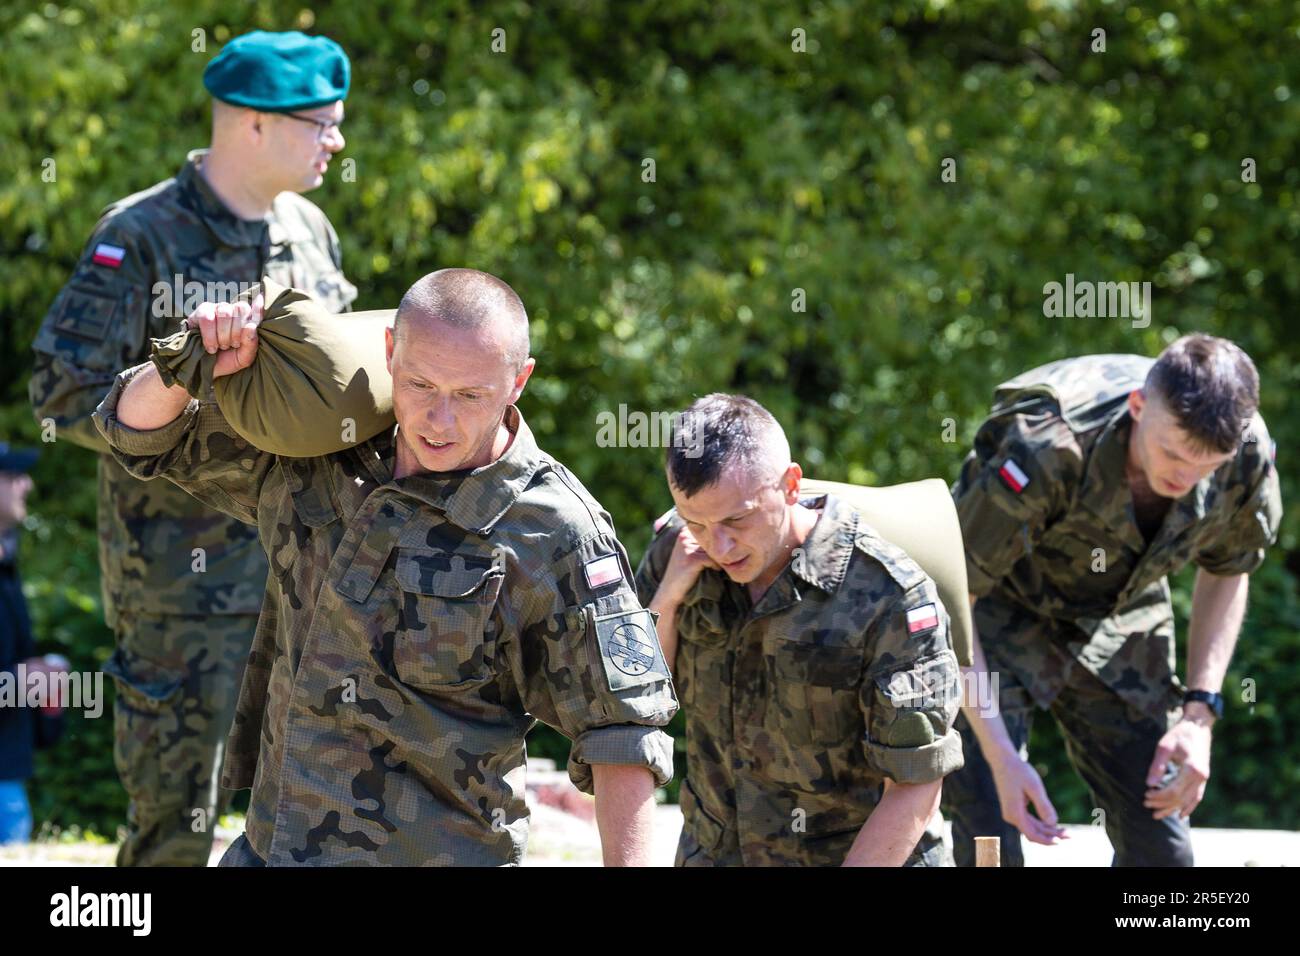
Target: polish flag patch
<point>106,255</point>
<point>1013,475</point>
<point>664,518</point>
<point>922,618</point>
<point>602,571</point>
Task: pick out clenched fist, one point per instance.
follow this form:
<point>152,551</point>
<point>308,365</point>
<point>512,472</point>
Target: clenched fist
<point>230,331</point>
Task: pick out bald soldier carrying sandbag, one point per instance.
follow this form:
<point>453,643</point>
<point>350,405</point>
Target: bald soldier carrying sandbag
<point>434,590</point>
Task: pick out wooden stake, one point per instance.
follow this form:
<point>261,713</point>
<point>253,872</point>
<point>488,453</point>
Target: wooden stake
<point>988,851</point>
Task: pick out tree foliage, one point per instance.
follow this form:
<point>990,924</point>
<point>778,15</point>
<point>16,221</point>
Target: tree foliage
<point>780,178</point>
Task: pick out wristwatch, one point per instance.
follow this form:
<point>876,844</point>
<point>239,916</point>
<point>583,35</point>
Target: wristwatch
<point>1213,701</point>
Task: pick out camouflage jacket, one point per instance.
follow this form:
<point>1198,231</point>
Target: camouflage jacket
<point>150,260</point>
<point>413,631</point>
<point>798,707</point>
<point>1051,538</point>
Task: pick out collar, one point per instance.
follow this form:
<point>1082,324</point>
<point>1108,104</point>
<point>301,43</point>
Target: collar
<point>225,225</point>
<point>823,558</point>
<point>471,499</point>
<point>1106,471</point>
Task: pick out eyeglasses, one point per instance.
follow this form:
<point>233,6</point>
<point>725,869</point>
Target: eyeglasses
<point>322,127</point>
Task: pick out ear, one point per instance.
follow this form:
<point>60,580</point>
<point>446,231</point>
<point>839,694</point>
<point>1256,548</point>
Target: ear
<point>1137,401</point>
<point>390,341</point>
<point>521,380</point>
<point>253,127</point>
<point>790,483</point>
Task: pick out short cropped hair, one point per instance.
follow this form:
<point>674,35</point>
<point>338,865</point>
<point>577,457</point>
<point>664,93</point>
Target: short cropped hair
<point>469,299</point>
<point>718,431</point>
<point>1210,386</point>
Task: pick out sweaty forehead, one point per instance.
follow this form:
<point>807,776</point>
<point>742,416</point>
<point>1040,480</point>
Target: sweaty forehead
<point>450,356</point>
<point>1171,437</point>
<point>737,490</point>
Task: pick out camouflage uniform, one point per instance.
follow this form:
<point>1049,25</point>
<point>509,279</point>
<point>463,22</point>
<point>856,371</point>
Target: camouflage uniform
<point>182,637</point>
<point>799,707</point>
<point>414,630</point>
<point>1074,612</point>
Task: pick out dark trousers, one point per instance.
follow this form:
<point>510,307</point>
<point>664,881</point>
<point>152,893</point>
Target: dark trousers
<point>1109,744</point>
<point>241,853</point>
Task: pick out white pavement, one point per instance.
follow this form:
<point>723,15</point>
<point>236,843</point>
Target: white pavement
<point>562,839</point>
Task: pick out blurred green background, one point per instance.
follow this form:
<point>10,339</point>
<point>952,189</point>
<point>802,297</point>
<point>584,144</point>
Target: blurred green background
<point>775,171</point>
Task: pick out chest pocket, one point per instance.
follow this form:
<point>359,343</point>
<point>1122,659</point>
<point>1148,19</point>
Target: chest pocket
<point>447,640</point>
<point>701,665</point>
<point>703,633</point>
<point>813,696</point>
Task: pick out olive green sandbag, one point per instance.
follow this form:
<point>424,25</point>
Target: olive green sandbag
<point>920,518</point>
<point>319,384</point>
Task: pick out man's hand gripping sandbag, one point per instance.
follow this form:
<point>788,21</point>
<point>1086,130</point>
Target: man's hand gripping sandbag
<point>306,382</point>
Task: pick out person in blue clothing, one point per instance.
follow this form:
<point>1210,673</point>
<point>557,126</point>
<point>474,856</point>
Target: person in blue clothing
<point>22,728</point>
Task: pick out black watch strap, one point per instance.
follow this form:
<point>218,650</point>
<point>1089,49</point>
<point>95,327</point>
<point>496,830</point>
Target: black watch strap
<point>1213,701</point>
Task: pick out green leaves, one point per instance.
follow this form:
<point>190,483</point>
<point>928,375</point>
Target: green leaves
<point>775,171</point>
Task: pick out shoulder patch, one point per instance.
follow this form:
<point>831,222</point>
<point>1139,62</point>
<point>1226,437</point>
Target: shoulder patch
<point>923,617</point>
<point>108,255</point>
<point>86,313</point>
<point>1013,476</point>
<point>930,683</point>
<point>629,649</point>
<point>602,571</point>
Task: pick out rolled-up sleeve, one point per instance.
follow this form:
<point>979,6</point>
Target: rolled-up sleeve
<point>911,692</point>
<point>626,744</point>
<point>591,667</point>
<point>1253,527</point>
<point>132,442</point>
<point>197,451</point>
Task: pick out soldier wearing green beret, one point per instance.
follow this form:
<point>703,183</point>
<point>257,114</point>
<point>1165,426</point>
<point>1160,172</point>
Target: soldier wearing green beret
<point>1093,479</point>
<point>182,583</point>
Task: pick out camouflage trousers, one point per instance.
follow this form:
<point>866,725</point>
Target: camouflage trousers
<point>829,850</point>
<point>1110,745</point>
<point>177,679</point>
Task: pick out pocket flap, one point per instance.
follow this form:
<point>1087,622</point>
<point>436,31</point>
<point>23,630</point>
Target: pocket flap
<point>706,829</point>
<point>443,574</point>
<point>145,686</point>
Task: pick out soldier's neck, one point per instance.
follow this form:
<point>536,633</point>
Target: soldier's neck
<point>243,196</point>
<point>801,524</point>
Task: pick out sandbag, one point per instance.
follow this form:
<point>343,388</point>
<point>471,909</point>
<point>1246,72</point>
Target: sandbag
<point>315,372</point>
<point>920,518</point>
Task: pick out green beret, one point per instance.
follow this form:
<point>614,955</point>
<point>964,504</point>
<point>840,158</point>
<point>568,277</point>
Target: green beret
<point>279,72</point>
